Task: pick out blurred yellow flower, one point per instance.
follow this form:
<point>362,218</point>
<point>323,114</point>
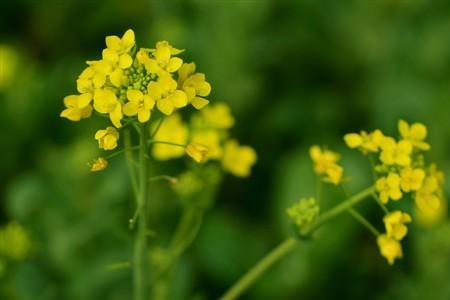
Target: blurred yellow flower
<point>211,139</point>
<point>197,151</point>
<point>389,187</point>
<point>411,179</point>
<point>98,165</point>
<point>415,133</point>
<point>366,142</point>
<point>325,164</point>
<point>395,224</point>
<point>218,116</point>
<point>393,153</point>
<point>172,130</point>
<point>194,85</point>
<point>390,248</point>
<point>107,138</point>
<point>238,160</point>
<point>139,104</point>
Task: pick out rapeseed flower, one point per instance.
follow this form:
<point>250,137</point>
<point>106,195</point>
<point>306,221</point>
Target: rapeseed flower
<point>172,130</point>
<point>98,165</point>
<point>415,133</point>
<point>107,138</point>
<point>325,164</point>
<point>411,179</point>
<point>389,187</point>
<point>366,142</point>
<point>390,248</point>
<point>395,224</point>
<point>396,153</point>
<point>237,159</point>
<point>197,151</point>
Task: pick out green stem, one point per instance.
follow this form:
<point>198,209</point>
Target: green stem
<point>260,268</point>
<point>363,221</point>
<point>166,143</point>
<point>288,245</point>
<point>140,243</point>
<point>383,207</point>
<point>130,160</point>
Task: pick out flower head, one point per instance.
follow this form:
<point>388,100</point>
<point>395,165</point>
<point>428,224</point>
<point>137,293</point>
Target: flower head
<point>197,151</point>
<point>390,248</point>
<point>325,164</point>
<point>98,165</point>
<point>411,179</point>
<point>395,224</point>
<point>237,159</point>
<point>304,212</point>
<point>138,104</point>
<point>366,142</point>
<point>415,133</point>
<point>396,153</point>
<point>172,130</point>
<point>389,187</point>
<point>107,138</point>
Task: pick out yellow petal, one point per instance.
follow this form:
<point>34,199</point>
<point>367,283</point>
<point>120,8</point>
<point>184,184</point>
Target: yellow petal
<point>135,95</point>
<point>72,114</point>
<point>113,42</point>
<point>165,106</point>
<point>143,115</point>
<point>353,140</point>
<point>128,39</point>
<point>116,116</point>
<point>130,109</point>
<point>174,64</point>
<point>199,103</point>
<point>179,99</point>
<point>110,56</point>
<point>125,61</point>
<point>116,77</point>
<point>84,100</point>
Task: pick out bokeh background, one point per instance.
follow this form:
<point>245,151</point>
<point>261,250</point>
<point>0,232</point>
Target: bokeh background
<point>295,73</point>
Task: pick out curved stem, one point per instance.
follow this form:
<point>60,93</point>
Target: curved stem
<point>140,243</point>
<point>260,268</point>
<point>288,245</point>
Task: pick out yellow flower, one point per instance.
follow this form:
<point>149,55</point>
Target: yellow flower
<point>430,204</point>
<point>366,142</point>
<point>218,116</point>
<point>415,133</point>
<point>389,187</point>
<point>118,63</point>
<point>73,110</point>
<point>162,61</point>
<point>15,242</point>
<point>105,102</point>
<point>211,139</point>
<point>121,45</point>
<point>139,104</point>
<point>107,138</point>
<point>393,153</point>
<point>395,224</point>
<point>325,164</point>
<point>194,85</point>
<point>97,73</point>
<point>172,130</point>
<point>238,160</point>
<point>390,248</point>
<point>98,165</point>
<point>197,151</point>
<point>411,179</point>
<point>165,93</point>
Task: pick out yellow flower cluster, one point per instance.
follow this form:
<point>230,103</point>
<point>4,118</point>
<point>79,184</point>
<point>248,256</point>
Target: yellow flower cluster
<point>326,164</point>
<point>396,230</point>
<point>207,137</point>
<point>401,169</point>
<point>128,82</point>
<point>15,243</point>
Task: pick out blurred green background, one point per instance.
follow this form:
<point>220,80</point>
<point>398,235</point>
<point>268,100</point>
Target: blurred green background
<point>295,73</point>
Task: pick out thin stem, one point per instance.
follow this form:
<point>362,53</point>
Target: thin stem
<point>170,179</point>
<point>155,131</point>
<point>119,266</point>
<point>167,143</point>
<point>130,160</point>
<point>260,268</point>
<point>288,245</point>
<point>363,221</point>
<point>140,244</point>
<point>383,207</point>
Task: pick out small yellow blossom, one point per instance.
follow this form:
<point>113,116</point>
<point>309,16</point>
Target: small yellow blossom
<point>210,138</point>
<point>304,212</point>
<point>98,72</point>
<point>325,164</point>
<point>107,138</point>
<point>15,242</point>
<point>172,130</point>
<point>121,45</point>
<point>197,151</point>
<point>395,224</point>
<point>415,133</point>
<point>237,159</point>
<point>98,165</point>
<point>139,104</point>
<point>164,92</point>
<point>429,199</point>
<point>390,248</point>
<point>73,111</point>
<point>194,85</point>
<point>118,63</point>
<point>218,116</point>
<point>105,102</point>
<point>389,187</point>
<point>162,60</point>
<point>411,179</point>
<point>366,142</point>
<point>393,153</point>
